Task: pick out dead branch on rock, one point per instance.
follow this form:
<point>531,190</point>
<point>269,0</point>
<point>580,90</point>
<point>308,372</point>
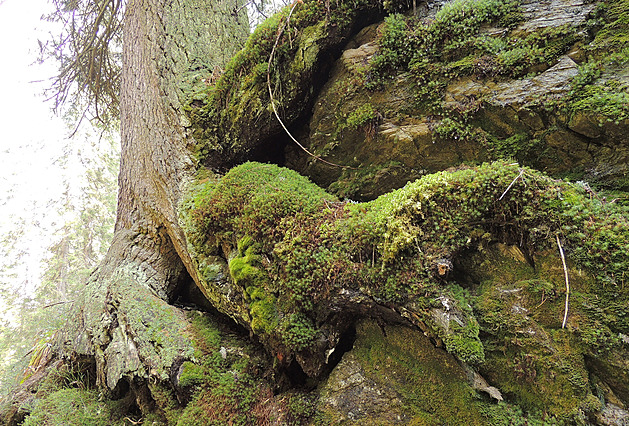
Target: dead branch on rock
<point>565,270</point>
<point>511,184</point>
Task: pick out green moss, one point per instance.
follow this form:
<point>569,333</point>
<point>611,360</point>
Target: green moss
<point>520,147</point>
<point>448,46</point>
<point>431,384</point>
<point>533,361</point>
<point>390,248</point>
<point>455,130</point>
<point>613,34</point>
<point>433,387</point>
<point>159,329</point>
<point>364,115</point>
<point>72,407</point>
<point>608,102</point>
<point>298,331</point>
<point>223,388</point>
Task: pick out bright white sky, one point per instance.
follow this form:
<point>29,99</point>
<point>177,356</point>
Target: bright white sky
<point>31,137</point>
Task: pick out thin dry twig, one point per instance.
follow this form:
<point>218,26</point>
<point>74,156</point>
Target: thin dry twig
<point>511,184</point>
<point>565,270</point>
<point>58,303</point>
<point>277,115</point>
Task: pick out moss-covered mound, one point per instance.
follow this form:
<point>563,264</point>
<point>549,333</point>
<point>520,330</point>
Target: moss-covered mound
<point>304,266</point>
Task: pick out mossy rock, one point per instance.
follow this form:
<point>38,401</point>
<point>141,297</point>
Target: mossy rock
<point>444,91</point>
<point>318,262</point>
<point>395,375</point>
<point>530,356</point>
<point>234,119</point>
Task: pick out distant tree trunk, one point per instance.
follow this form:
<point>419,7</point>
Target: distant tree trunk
<point>118,320</point>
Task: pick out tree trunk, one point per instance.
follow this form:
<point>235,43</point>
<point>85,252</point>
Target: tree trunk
<point>123,320</point>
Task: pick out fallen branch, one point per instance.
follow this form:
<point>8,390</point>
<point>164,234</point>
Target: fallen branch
<point>268,81</point>
<point>565,270</point>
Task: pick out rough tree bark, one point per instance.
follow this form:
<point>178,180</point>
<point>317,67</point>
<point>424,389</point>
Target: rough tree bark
<point>124,322</point>
<point>162,41</point>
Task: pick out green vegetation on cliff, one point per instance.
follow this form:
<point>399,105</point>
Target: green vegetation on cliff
<point>478,81</point>
<point>302,37</point>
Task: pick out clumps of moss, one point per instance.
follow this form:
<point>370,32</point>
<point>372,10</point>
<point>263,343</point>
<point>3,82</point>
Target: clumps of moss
<point>391,248</point>
<point>456,130</point>
<point>68,396</point>
<point>604,100</point>
<point>365,115</point>
<point>530,357</point>
<point>250,200</point>
<point>453,45</point>
<point>298,331</point>
<point>521,147</point>
<point>301,407</point>
<point>246,272</point>
<point>433,388</point>
<point>425,47</point>
<point>475,39</point>
<point>607,101</point>
<point>611,26</point>
<point>223,381</point>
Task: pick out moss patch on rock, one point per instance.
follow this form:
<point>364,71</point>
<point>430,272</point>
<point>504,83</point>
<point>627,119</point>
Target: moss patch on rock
<point>234,114</point>
<point>316,254</point>
<point>221,384</point>
<point>394,375</point>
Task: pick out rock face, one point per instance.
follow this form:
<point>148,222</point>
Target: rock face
<point>527,102</point>
<point>394,375</point>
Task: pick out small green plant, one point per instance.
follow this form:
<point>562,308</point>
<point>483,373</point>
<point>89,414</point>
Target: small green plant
<point>365,115</point>
<point>71,407</point>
